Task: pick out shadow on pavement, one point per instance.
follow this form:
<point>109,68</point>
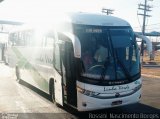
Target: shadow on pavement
<point>40,92</point>
<point>140,109</point>
<point>134,111</point>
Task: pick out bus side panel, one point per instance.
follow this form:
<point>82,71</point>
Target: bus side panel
<point>30,71</point>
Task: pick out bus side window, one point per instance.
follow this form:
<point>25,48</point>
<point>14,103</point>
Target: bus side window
<point>48,41</point>
<point>57,58</point>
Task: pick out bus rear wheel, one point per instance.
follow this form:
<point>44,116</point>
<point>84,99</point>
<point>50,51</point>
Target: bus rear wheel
<point>52,94</point>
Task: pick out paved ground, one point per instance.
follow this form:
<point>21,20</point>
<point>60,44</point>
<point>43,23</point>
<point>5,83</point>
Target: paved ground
<point>151,90</point>
<point>18,101</point>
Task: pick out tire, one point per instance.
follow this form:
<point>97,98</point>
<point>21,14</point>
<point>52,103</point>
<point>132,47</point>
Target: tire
<point>17,73</point>
<point>52,93</point>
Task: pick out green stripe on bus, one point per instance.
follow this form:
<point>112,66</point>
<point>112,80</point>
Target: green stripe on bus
<point>23,63</point>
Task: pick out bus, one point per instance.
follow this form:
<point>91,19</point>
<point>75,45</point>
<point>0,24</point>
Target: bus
<point>87,61</point>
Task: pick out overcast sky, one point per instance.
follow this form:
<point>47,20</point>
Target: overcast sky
<point>26,10</point>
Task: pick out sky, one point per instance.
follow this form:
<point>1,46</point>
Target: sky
<point>27,10</point>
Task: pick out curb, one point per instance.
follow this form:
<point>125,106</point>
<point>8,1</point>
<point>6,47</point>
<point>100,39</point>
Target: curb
<point>152,76</point>
<point>150,65</point>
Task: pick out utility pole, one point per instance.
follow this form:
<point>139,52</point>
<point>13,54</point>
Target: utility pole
<point>145,8</point>
<point>107,11</point>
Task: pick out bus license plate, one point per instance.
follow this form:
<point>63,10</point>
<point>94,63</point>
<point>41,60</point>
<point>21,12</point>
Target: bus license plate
<point>118,102</point>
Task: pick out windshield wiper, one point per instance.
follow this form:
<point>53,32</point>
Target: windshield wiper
<point>107,61</point>
<point>126,72</point>
<point>115,56</point>
<point>106,64</point>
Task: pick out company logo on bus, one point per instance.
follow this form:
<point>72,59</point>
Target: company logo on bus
<point>116,82</point>
<point>115,88</point>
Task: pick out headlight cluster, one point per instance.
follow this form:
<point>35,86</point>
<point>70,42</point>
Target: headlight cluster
<point>87,92</point>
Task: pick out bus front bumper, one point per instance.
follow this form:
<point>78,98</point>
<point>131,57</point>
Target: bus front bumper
<point>87,103</point>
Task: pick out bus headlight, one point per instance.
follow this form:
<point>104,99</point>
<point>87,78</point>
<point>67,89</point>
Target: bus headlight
<point>87,92</point>
<point>80,90</point>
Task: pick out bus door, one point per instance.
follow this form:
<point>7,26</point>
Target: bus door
<point>68,74</point>
<point>58,76</point>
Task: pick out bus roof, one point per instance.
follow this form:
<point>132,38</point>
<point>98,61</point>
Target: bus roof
<point>76,18</point>
<point>96,19</point>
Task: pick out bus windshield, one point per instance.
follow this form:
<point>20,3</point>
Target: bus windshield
<point>108,53</point>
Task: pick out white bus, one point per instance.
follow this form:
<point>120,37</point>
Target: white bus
<point>86,61</point>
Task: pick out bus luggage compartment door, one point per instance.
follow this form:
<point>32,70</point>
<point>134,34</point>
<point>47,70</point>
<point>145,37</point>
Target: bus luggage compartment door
<point>58,89</point>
